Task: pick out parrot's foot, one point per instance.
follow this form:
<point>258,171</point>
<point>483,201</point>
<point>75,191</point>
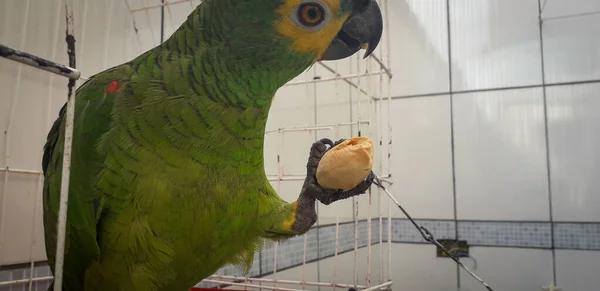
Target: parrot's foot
<point>303,213</point>
<point>312,188</point>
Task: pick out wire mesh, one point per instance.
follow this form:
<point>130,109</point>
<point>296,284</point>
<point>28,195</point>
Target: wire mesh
<point>143,24</point>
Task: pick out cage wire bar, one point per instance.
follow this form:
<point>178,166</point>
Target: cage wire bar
<point>361,91</point>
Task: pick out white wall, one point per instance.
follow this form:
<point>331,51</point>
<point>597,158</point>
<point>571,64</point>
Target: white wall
<point>471,156</point>
<point>31,99</point>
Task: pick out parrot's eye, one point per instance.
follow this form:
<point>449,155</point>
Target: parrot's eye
<point>311,14</point>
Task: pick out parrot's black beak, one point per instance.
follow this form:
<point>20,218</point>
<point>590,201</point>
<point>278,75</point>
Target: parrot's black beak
<point>362,29</point>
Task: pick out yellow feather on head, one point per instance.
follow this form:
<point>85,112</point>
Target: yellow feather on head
<point>304,39</point>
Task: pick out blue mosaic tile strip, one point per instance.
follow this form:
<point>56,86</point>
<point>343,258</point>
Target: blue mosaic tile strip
<point>404,231</point>
<point>291,252</point>
<point>515,234</point>
<point>582,236</point>
<point>585,236</point>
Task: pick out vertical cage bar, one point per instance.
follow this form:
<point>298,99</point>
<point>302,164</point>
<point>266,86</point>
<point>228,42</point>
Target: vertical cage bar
<point>150,23</point>
<point>336,83</point>
<point>33,230</point>
<point>355,216</point>
<point>337,246</point>
<point>81,39</point>
<point>379,111</point>
<point>380,247</point>
<point>368,277</point>
<point>168,5</point>
<point>390,137</point>
<point>370,134</point>
<point>66,166</point>
<point>275,247</point>
<point>135,29</point>
<point>109,21</point>
<point>316,134</point>
<point>304,261</point>
<point>355,198</point>
<point>359,95</point>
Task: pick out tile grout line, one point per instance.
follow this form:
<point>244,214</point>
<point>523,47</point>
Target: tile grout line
<point>547,140</point>
<point>492,89</point>
<point>452,145</point>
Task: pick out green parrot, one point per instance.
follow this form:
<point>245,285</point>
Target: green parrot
<point>167,180</point>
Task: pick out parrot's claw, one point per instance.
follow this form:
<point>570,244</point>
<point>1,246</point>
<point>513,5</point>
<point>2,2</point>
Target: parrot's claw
<point>339,142</point>
<point>327,196</point>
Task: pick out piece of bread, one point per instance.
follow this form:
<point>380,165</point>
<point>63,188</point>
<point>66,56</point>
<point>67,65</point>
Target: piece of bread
<point>346,165</point>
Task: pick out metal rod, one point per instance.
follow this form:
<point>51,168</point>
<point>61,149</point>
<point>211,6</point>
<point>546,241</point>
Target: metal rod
<point>355,217</point>
<point>336,78</point>
<point>150,23</point>
<point>314,128</point>
<point>107,33</point>
<point>168,5</point>
<point>380,244</point>
<point>40,184</point>
<point>275,246</point>
<point>571,15</point>
<point>135,29</point>
<point>66,165</point>
<point>358,95</point>
<point>82,37</point>
<point>369,218</point>
<point>388,57</point>
<point>286,282</point>
<point>369,230</point>
<point>428,236</point>
<point>20,171</point>
<point>25,281</point>
<point>454,92</point>
<point>311,128</point>
<point>149,7</point>
<point>250,285</point>
<point>37,62</point>
<point>387,71</point>
<point>341,77</point>
<point>304,261</point>
<point>337,247</point>
<point>380,286</point>
<point>224,277</point>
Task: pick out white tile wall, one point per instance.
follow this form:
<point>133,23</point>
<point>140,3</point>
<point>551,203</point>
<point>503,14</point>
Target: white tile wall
<point>494,43</point>
<point>574,160</point>
<point>563,9</point>
<point>577,270</point>
<point>415,267</point>
<point>508,269</point>
<point>22,238</point>
<point>422,168</point>
<point>572,48</point>
<point>500,155</point>
<point>419,46</point>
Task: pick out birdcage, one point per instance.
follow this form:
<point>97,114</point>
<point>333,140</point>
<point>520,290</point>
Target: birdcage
<point>350,245</point>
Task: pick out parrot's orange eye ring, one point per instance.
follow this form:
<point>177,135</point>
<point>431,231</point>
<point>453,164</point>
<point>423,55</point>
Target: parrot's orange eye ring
<point>311,14</point>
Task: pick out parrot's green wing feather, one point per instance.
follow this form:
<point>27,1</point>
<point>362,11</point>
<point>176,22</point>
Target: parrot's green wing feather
<point>93,107</point>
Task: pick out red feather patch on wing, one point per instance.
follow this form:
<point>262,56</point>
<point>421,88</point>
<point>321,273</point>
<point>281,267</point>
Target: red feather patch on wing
<point>113,87</point>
